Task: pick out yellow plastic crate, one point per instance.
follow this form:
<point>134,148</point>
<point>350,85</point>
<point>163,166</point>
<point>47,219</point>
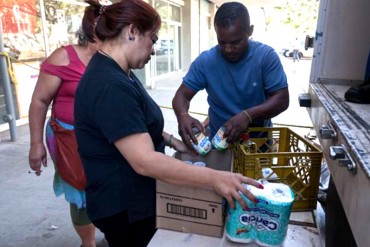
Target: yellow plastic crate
<point>294,161</point>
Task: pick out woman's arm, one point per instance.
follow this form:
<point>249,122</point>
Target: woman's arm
<point>159,166</point>
<point>44,92</point>
<point>175,143</point>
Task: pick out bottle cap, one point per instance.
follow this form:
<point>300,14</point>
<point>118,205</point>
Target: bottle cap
<point>245,137</point>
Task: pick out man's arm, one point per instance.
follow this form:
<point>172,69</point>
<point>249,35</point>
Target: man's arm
<point>273,106</point>
<point>181,104</point>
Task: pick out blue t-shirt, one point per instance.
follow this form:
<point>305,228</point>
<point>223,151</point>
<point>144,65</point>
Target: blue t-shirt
<point>233,87</point>
<point>108,107</point>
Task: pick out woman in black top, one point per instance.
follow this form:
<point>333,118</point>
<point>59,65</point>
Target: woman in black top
<point>119,130</point>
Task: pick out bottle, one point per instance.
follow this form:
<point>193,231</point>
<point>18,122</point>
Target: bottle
<point>204,145</point>
<point>250,146</point>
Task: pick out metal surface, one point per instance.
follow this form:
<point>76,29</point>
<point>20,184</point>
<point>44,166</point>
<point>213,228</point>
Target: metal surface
<point>352,120</point>
<point>44,28</point>
<point>327,132</point>
<point>10,117</point>
<point>341,154</point>
<point>350,148</point>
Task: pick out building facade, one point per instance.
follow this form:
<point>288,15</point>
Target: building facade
<point>32,29</point>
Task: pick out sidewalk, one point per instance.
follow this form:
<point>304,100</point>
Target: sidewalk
<point>30,214</point>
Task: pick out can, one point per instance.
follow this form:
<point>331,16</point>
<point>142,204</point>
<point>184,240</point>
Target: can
<point>204,145</point>
<point>200,163</point>
<point>218,141</point>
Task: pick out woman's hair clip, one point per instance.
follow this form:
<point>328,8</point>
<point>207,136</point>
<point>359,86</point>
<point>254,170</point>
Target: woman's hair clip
<point>102,9</point>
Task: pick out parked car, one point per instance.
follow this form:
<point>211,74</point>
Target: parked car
<point>164,47</point>
<point>289,53</point>
<point>304,48</point>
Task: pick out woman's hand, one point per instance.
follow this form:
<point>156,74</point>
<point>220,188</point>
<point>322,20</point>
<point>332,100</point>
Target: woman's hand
<point>180,146</point>
<point>229,185</point>
<point>36,157</point>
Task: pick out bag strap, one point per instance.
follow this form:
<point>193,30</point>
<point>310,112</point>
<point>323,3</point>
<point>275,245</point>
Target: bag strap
<point>52,114</point>
<point>53,123</point>
<point>57,128</point>
<point>52,117</point>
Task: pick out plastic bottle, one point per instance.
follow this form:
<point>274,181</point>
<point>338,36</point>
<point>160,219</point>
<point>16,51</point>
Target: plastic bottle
<point>250,146</point>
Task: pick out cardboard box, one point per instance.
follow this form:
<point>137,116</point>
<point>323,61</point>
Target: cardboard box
<point>193,210</point>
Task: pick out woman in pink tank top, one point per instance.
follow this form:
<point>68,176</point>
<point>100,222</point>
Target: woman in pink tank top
<point>58,79</point>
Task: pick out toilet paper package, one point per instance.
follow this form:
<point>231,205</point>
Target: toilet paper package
<point>265,222</point>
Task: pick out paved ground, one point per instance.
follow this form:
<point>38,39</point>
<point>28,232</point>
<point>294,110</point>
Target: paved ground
<point>30,214</point>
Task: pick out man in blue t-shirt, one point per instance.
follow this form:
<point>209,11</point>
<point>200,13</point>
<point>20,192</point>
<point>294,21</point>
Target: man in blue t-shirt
<point>244,79</point>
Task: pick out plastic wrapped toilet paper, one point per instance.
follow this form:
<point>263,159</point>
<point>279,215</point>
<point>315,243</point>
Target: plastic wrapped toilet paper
<point>265,222</point>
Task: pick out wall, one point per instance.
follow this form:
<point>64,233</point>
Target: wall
<point>197,27</point>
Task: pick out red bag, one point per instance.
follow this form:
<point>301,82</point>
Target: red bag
<point>68,162</point>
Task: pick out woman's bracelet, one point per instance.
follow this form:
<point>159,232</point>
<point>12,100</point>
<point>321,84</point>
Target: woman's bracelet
<point>170,140</point>
<point>248,116</point>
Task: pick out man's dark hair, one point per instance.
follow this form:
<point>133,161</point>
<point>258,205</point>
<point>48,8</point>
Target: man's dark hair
<point>230,13</point>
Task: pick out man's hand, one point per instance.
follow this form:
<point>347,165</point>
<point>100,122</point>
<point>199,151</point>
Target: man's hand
<point>186,123</point>
<point>236,126</point>
<point>229,185</point>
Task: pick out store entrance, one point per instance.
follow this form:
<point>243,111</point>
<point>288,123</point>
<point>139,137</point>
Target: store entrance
<point>167,50</point>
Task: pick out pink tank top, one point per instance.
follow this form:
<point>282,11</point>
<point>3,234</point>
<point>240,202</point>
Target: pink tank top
<point>70,74</point>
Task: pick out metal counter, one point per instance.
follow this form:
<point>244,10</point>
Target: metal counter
<point>343,130</point>
<point>351,119</point>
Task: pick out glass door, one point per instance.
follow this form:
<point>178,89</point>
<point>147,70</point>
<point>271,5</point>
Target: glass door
<point>167,48</point>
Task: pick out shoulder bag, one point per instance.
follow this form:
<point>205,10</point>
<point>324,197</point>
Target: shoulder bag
<point>68,162</point>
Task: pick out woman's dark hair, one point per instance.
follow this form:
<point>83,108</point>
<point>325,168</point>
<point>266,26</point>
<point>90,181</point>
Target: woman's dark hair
<point>230,13</point>
<point>87,31</point>
<point>112,19</point>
